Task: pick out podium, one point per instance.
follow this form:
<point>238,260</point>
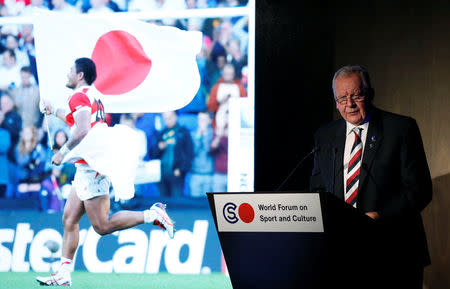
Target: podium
<point>292,240</point>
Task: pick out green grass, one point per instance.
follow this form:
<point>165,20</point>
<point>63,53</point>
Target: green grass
<point>86,280</point>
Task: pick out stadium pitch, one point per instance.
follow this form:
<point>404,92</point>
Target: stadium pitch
<point>87,280</point>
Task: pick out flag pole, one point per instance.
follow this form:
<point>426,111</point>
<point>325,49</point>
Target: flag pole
<point>48,132</point>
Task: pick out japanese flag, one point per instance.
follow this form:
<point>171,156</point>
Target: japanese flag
<point>141,67</point>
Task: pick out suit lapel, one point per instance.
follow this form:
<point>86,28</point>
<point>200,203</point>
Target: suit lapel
<point>339,142</point>
<point>373,142</point>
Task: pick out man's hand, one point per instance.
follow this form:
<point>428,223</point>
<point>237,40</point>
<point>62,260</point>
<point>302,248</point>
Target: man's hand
<point>48,109</point>
<point>373,215</point>
<point>57,158</point>
<point>45,106</point>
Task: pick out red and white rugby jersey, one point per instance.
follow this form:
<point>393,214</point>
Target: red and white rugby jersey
<point>82,100</point>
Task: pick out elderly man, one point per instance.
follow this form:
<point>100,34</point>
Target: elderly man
<point>374,161</point>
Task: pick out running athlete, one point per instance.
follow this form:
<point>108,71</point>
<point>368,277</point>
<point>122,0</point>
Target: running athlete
<point>90,190</point>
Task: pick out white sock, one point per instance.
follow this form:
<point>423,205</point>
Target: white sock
<point>66,265</point>
<point>149,216</point>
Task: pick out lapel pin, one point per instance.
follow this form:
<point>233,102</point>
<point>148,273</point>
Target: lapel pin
<point>373,138</point>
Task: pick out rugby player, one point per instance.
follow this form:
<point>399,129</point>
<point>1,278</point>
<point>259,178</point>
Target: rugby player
<point>90,189</point>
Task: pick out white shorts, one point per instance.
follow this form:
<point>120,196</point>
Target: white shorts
<point>89,184</point>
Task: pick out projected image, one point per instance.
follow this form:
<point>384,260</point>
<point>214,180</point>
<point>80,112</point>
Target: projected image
<point>200,163</point>
<point>204,146</point>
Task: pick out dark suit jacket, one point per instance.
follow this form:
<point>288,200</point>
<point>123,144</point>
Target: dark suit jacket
<point>394,180</point>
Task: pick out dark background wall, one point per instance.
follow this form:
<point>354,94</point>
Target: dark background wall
<point>406,48</point>
<point>294,61</point>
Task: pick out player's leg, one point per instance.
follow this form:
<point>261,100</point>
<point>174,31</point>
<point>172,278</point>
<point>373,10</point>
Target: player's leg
<point>73,211</point>
<point>97,210</point>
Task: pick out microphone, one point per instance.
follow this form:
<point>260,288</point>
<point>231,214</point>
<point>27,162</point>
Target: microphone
<point>315,149</point>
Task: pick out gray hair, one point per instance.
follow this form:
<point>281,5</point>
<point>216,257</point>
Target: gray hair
<point>348,70</point>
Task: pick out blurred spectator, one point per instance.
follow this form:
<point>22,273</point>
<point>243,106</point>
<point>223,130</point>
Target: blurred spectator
<point>117,5</point>
<point>55,124</point>
<point>225,33</point>
<point>205,3</point>
<point>67,169</point>
<point>31,157</point>
<point>191,23</point>
<point>26,98</point>
<point>51,199</point>
<point>228,3</point>
<point>114,6</point>
<point>240,31</point>
<point>214,67</point>
<point>216,57</point>
<point>99,6</point>
<point>26,40</point>
<point>227,87</point>
<point>235,56</point>
<point>219,149</point>
<point>64,7</point>
<point>28,10</point>
<point>203,164</point>
<point>12,42</point>
<point>9,71</point>
<point>228,41</point>
<point>244,76</point>
<point>60,138</point>
<point>11,121</point>
<point>5,142</point>
<point>174,149</point>
<point>149,5</point>
<point>191,4</point>
<point>26,43</point>
<point>12,7</point>
<point>4,10</point>
<point>152,5</point>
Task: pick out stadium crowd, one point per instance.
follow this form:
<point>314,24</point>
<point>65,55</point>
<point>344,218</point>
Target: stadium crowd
<point>191,143</point>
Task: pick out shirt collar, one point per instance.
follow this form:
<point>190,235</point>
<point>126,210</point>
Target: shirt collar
<point>80,89</point>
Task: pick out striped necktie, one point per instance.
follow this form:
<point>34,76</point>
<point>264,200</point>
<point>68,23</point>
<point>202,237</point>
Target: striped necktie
<point>354,167</point>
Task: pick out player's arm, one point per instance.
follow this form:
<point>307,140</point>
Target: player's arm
<point>49,109</point>
<point>82,120</point>
<point>60,113</point>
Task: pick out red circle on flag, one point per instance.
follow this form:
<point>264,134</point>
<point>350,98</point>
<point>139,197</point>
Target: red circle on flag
<point>121,62</point>
<point>246,213</point>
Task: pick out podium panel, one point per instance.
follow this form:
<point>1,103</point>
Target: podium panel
<point>288,239</point>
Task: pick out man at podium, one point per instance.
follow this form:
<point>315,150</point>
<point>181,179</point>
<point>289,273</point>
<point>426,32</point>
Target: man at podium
<point>375,161</point>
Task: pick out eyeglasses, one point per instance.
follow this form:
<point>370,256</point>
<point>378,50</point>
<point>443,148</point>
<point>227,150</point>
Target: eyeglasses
<point>343,99</point>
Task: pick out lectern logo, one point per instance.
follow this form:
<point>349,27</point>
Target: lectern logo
<point>245,213</point>
<point>229,213</point>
